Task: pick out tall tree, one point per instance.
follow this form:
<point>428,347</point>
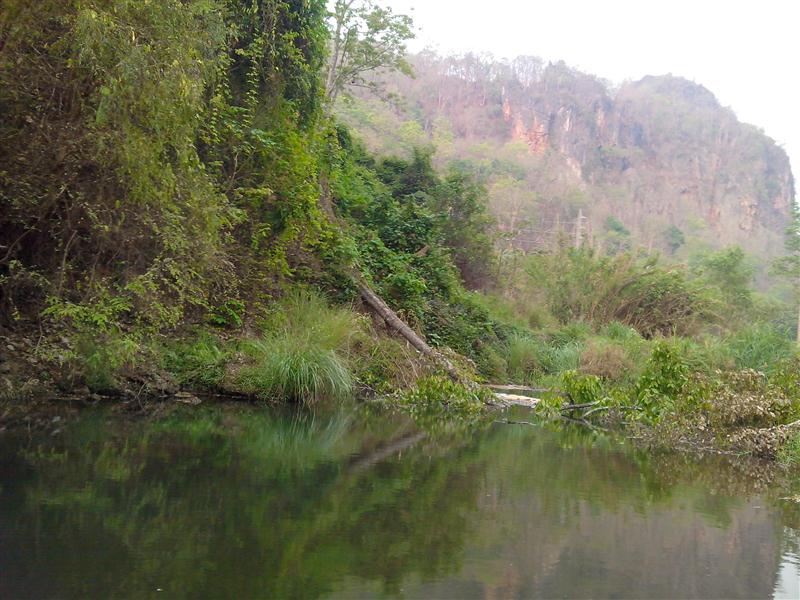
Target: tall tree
<point>365,40</point>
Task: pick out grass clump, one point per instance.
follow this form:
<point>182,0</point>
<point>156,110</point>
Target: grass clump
<point>759,347</point>
<point>789,452</point>
<point>287,369</point>
<point>303,355</point>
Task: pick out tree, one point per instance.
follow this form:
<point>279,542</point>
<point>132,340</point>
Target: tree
<point>730,272</point>
<point>366,38</point>
<point>789,266</point>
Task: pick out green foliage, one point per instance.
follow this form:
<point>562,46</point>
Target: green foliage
<point>228,314</point>
<point>582,389</point>
<point>674,238</point>
<point>366,38</point>
<point>582,286</point>
<point>664,379</point>
<point>101,358</point>
<point>440,395</point>
<point>729,271</point>
<point>760,346</point>
<point>789,453</point>
<point>618,237</point>
<point>197,363</point>
<point>785,375</point>
<point>286,369</point>
<point>167,141</point>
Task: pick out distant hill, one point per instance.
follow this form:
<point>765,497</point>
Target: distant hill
<point>657,163</point>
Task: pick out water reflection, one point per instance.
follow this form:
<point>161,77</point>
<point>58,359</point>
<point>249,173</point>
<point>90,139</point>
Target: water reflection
<point>264,505</point>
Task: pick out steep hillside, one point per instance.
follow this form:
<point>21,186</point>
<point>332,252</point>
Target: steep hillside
<point>657,163</point>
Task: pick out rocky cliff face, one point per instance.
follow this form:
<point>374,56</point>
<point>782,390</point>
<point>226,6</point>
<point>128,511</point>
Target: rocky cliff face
<point>656,163</point>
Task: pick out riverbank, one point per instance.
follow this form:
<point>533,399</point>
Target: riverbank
<point>42,395</point>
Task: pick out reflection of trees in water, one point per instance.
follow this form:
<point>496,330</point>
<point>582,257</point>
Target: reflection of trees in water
<point>564,517</point>
<point>278,508</point>
<point>261,506</point>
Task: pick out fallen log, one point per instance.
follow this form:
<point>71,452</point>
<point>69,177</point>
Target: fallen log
<point>524,389</point>
<point>391,319</point>
<point>380,308</point>
<point>516,400</point>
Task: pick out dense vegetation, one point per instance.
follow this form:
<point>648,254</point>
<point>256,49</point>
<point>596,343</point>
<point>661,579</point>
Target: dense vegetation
<point>181,210</point>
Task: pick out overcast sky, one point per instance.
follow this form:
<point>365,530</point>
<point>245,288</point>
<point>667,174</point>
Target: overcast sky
<point>746,52</point>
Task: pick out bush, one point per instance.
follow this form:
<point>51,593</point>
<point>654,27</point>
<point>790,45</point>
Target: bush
<point>582,389</point>
<point>580,285</point>
<point>198,363</point>
<point>665,377</point>
<point>438,394</point>
<point>102,358</point>
<point>604,359</point>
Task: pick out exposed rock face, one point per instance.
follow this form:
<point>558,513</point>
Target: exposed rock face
<point>658,155</point>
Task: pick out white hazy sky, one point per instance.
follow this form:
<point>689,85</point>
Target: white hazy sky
<point>746,52</point>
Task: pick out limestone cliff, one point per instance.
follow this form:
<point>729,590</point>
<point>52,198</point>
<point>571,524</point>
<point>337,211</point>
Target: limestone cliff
<point>656,163</point>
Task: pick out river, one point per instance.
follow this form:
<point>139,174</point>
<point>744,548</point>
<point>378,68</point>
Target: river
<point>256,503</point>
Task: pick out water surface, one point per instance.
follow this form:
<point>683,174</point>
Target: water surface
<point>259,504</point>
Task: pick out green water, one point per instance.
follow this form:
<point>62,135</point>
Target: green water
<point>256,504</point>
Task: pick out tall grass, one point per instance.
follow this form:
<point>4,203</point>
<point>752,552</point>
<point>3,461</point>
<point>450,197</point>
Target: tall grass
<point>759,347</point>
<point>529,357</point>
<point>303,355</point>
<point>294,370</point>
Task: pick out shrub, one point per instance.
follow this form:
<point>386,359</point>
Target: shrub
<point>582,389</point>
<point>581,286</point>
<point>200,362</point>
<point>101,359</point>
<point>605,359</point>
<point>438,394</point>
<point>665,377</point>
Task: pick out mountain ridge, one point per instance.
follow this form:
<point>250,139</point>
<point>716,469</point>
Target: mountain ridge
<point>657,163</point>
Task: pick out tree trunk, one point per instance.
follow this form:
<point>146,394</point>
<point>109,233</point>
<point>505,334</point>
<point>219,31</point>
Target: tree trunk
<point>390,317</point>
<point>379,307</point>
